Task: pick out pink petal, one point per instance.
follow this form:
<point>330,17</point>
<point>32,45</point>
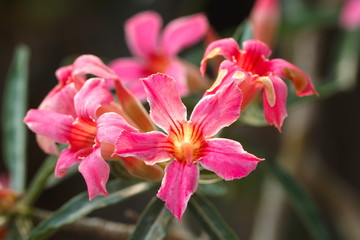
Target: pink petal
<point>216,111</point>
<point>228,159</point>
<point>179,183</point>
<point>109,127</point>
<point>256,48</point>
<point>152,147</point>
<point>90,64</point>
<point>350,14</point>
<point>177,70</point>
<point>96,173</point>
<point>47,144</point>
<point>253,57</point>
<point>66,160</point>
<point>60,99</point>
<point>53,125</point>
<point>91,96</point>
<point>274,101</point>
<point>130,71</point>
<point>228,72</point>
<point>183,32</point>
<point>226,47</point>
<point>64,73</point>
<point>167,110</point>
<point>142,32</point>
<point>284,69</point>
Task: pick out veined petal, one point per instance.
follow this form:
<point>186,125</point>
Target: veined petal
<point>228,159</point>
<point>91,96</point>
<point>109,127</point>
<point>50,124</point>
<point>142,32</point>
<point>66,160</point>
<point>216,111</point>
<point>178,72</point>
<point>152,147</point>
<point>167,110</point>
<point>255,47</point>
<point>60,99</point>
<point>301,81</point>
<point>274,100</point>
<point>64,73</point>
<point>226,47</point>
<point>95,172</point>
<point>228,72</point>
<point>179,183</point>
<point>90,64</point>
<point>183,32</point>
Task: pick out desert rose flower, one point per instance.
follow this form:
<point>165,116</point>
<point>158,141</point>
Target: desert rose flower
<point>187,143</point>
<point>253,72</point>
<point>154,52</point>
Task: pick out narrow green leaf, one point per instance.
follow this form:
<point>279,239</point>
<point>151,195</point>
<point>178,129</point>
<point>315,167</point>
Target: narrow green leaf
<point>211,220</point>
<point>153,222</point>
<point>243,32</point>
<point>80,206</point>
<point>14,108</point>
<point>302,204</point>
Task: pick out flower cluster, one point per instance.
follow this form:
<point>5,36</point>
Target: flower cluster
<point>99,126</point>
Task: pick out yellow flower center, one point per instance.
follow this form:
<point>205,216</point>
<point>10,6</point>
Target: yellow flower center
<point>187,142</point>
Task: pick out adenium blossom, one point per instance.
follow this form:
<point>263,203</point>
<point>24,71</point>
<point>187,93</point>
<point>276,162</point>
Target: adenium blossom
<point>154,52</point>
<point>71,78</point>
<point>87,145</point>
<point>253,72</point>
<point>187,143</point>
<point>350,14</point>
<point>264,18</point>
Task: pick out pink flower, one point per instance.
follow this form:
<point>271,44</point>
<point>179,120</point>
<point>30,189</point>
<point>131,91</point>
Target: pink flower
<point>350,14</point>
<point>154,53</point>
<point>71,78</point>
<point>265,17</point>
<point>252,71</point>
<point>80,133</point>
<point>187,142</point>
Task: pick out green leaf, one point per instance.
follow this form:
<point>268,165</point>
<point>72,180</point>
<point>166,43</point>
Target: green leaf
<point>243,32</point>
<point>80,206</point>
<point>210,219</point>
<point>302,204</point>
<point>14,108</point>
<point>153,222</point>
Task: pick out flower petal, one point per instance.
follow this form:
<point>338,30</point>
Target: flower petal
<point>142,32</point>
<point>256,48</point>
<point>150,147</point>
<point>91,96</point>
<point>274,100</point>
<point>178,72</point>
<point>60,99</point>
<point>302,82</point>
<point>179,183</point>
<point>216,111</point>
<point>50,124</point>
<point>47,144</point>
<point>183,32</point>
<point>95,172</point>
<point>66,160</point>
<point>226,47</point>
<point>350,14</point>
<point>90,64</point>
<point>228,159</point>
<point>167,110</point>
<point>109,127</point>
<point>228,72</point>
<point>64,73</point>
